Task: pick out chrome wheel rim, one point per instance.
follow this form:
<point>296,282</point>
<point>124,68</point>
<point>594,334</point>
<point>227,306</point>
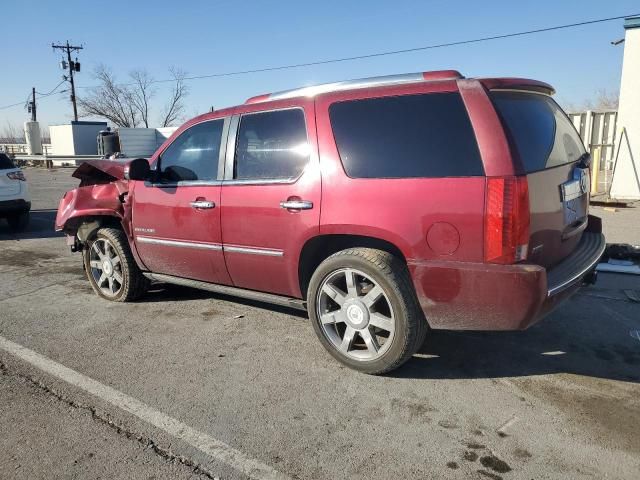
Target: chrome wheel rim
<point>106,267</point>
<point>355,314</point>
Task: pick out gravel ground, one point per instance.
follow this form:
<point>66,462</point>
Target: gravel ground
<point>621,225</point>
<point>560,400</point>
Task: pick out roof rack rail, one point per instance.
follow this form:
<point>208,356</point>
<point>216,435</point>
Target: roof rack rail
<point>385,80</point>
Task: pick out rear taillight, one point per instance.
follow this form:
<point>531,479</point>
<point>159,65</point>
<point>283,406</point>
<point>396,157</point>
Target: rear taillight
<point>16,176</point>
<point>506,229</point>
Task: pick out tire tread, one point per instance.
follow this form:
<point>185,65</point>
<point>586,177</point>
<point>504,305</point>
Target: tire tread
<point>396,272</point>
<point>136,284</point>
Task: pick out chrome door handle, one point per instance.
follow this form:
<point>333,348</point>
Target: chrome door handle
<point>202,204</point>
<point>297,205</point>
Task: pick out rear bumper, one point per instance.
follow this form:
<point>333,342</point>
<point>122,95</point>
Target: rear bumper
<point>573,269</point>
<point>9,207</point>
<point>479,296</point>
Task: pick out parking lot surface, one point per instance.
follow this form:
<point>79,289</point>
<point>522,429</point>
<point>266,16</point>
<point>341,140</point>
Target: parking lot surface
<point>189,384</point>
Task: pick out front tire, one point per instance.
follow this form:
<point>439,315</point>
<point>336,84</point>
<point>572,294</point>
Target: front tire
<point>364,310</point>
<point>111,269</point>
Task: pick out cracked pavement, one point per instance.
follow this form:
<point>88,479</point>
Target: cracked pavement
<point>558,400</point>
<point>46,435</point>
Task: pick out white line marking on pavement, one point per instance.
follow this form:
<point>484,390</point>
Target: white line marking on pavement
<point>214,448</point>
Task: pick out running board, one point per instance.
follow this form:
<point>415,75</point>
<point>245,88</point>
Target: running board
<point>233,291</point>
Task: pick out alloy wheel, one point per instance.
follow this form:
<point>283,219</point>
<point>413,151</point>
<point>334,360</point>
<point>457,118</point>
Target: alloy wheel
<point>106,267</point>
<point>355,314</point>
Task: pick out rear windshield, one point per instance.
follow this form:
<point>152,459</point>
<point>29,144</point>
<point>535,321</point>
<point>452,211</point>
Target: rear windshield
<point>5,162</point>
<point>407,136</point>
<point>538,129</point>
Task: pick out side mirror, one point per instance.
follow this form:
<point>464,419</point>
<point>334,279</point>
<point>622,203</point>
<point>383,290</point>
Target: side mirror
<point>138,169</point>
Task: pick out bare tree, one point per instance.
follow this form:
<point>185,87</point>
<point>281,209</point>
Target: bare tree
<point>174,108</point>
<point>141,93</point>
<point>110,100</point>
<point>604,100</point>
<point>45,134</point>
<point>129,104</point>
<point>11,134</point>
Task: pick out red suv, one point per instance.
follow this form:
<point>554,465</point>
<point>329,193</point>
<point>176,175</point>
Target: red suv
<point>383,206</point>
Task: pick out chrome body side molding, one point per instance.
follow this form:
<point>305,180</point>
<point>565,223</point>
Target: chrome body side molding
<point>178,243</point>
<point>269,252</point>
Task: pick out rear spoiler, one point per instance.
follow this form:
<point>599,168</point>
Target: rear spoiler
<point>517,84</point>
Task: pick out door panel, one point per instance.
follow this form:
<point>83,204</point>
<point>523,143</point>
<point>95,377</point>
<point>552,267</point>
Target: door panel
<point>176,219</point>
<point>262,239</point>
<point>175,238</point>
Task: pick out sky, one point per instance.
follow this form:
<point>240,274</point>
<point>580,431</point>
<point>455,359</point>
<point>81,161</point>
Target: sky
<point>215,36</point>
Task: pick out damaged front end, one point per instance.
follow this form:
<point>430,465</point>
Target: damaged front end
<point>99,200</point>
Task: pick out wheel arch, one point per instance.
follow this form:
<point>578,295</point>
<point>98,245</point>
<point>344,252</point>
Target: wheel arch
<point>320,247</point>
<point>85,226</point>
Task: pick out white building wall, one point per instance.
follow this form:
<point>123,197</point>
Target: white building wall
<point>626,179</point>
<point>76,138</point>
<point>61,140</point>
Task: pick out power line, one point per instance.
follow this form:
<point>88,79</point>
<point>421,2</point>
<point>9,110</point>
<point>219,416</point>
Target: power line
<point>397,52</point>
<point>379,54</point>
<point>53,90</point>
<point>14,105</point>
<point>40,95</point>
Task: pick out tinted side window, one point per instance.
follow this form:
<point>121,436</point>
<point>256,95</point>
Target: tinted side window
<point>271,145</point>
<point>539,130</point>
<point>428,135</point>
<point>194,154</point>
<point>6,162</point>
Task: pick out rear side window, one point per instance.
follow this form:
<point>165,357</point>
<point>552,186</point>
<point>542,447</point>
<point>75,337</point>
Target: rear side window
<point>6,162</point>
<point>194,154</point>
<point>428,135</point>
<point>271,145</point>
<point>538,129</point>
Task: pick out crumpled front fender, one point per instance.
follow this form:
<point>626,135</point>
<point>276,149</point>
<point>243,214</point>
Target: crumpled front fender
<point>90,201</point>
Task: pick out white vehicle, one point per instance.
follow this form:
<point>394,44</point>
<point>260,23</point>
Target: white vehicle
<point>15,201</point>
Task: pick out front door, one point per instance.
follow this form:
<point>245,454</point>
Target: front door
<point>176,218</point>
<point>270,197</point>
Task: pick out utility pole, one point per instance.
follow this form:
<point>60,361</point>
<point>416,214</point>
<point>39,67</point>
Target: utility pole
<point>73,67</point>
<point>32,106</point>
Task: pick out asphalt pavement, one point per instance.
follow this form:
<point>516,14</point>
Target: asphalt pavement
<point>189,384</point>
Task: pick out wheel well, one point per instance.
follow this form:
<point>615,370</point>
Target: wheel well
<point>316,250</point>
<point>85,227</point>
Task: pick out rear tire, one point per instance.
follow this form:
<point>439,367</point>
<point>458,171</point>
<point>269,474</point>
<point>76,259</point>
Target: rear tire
<point>363,308</point>
<point>111,269</point>
<point>18,222</point>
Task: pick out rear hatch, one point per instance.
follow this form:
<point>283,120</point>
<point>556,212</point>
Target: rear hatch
<point>548,150</point>
<point>8,186</point>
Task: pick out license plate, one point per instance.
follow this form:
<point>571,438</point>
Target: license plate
<point>575,209</point>
<point>575,196</point>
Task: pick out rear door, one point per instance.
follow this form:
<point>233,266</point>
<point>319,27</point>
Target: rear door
<point>270,197</point>
<point>176,218</point>
<point>549,151</point>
